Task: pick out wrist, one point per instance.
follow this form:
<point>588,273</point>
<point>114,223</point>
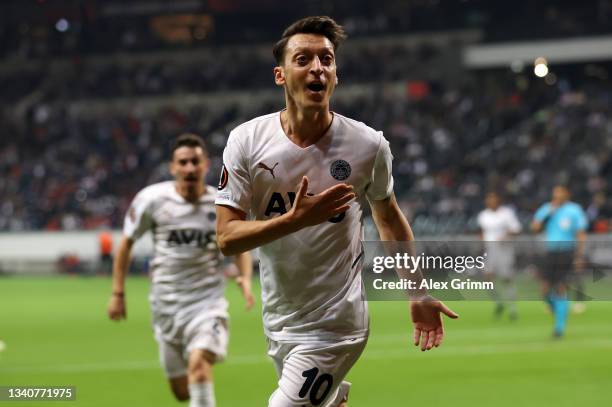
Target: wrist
<point>290,221</point>
<point>119,294</point>
<point>418,295</point>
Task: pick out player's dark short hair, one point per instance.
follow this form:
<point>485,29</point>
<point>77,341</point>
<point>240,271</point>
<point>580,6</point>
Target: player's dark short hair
<point>321,25</point>
<point>188,140</point>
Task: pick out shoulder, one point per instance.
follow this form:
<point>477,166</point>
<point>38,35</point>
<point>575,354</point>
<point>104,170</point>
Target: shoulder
<point>359,129</point>
<point>154,192</point>
<point>210,195</point>
<point>247,129</point>
<point>544,206</point>
<point>481,215</point>
<point>574,207</point>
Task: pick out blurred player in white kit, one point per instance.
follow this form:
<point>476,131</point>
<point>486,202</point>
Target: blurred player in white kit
<point>498,224</point>
<point>303,176</point>
<point>190,318</point>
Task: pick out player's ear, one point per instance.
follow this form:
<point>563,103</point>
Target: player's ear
<point>172,168</point>
<point>279,75</point>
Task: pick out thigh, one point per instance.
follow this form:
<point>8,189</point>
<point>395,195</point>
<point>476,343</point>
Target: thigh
<point>559,267</point>
<point>210,334</point>
<point>172,358</point>
<point>311,373</point>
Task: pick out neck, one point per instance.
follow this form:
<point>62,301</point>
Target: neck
<point>190,193</point>
<point>305,126</point>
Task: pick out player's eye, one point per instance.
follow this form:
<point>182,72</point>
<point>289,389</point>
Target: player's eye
<point>301,60</point>
<point>328,59</point>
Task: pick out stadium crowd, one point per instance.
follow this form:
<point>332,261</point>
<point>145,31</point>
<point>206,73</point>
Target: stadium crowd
<point>64,171</point>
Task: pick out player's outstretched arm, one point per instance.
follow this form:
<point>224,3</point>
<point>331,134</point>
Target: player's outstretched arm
<point>425,310</point>
<point>235,234</point>
<point>116,306</point>
<point>244,262</point>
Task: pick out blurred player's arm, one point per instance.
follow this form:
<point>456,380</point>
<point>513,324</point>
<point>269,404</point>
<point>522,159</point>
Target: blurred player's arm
<point>244,262</point>
<point>235,234</point>
<point>541,217</point>
<point>392,225</point>
<point>579,259</point>
<point>116,306</point>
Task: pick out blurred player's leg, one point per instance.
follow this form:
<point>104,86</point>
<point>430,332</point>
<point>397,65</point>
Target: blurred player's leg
<point>560,265</point>
<point>579,306</point>
<point>201,390</point>
<point>207,340</point>
<point>510,297</point>
<point>175,367</point>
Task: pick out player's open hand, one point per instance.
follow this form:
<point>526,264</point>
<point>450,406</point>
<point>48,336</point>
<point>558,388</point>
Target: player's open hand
<point>428,326</point>
<point>310,210</point>
<point>247,293</point>
<point>116,308</point>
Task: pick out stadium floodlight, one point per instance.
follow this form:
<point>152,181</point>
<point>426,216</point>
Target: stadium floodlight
<point>62,25</point>
<point>540,70</point>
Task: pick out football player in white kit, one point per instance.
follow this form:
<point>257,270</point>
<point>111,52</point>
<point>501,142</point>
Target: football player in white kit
<point>190,318</point>
<point>498,224</point>
<point>295,184</point>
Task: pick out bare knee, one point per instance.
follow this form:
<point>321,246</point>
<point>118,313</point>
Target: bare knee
<point>179,388</point>
<point>200,366</point>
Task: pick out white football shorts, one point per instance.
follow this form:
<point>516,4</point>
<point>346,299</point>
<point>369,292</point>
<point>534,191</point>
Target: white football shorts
<point>312,374</point>
<point>204,331</point>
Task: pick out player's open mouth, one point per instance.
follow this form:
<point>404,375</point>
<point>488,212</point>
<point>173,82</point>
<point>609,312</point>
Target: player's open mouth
<point>315,86</point>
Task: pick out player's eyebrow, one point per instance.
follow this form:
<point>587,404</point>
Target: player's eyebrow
<point>325,48</point>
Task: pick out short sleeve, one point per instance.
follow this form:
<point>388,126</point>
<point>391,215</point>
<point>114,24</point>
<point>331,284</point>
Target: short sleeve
<point>480,220</point>
<point>514,226</point>
<point>381,182</point>
<point>138,218</point>
<point>581,220</point>
<point>542,212</point>
<point>235,182</point>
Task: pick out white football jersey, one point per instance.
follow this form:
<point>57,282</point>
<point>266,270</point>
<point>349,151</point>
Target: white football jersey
<point>498,224</point>
<point>311,287</point>
<point>185,268</point>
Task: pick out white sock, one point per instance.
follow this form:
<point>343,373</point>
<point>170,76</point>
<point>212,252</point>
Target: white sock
<point>201,395</point>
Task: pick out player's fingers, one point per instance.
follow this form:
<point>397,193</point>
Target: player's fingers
<point>341,209</point>
<point>337,191</point>
<point>303,188</point>
<point>344,199</point>
<point>439,337</point>
<point>423,340</point>
<point>447,311</point>
<point>431,338</point>
<point>417,336</point>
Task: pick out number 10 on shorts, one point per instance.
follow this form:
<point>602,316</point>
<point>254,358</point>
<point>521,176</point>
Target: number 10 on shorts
<point>313,385</point>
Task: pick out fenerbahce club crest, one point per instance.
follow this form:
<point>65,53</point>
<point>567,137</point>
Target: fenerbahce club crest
<point>340,170</point>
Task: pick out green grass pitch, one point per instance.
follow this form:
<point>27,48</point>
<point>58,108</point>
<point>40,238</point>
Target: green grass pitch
<point>57,333</point>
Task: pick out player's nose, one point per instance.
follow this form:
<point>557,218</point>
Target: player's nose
<point>316,67</point>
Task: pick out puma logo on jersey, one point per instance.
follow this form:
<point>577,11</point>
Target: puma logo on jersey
<point>191,236</point>
<point>278,205</point>
<point>265,167</point>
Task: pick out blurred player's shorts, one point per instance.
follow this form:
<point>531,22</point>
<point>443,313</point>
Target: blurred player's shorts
<point>558,266</point>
